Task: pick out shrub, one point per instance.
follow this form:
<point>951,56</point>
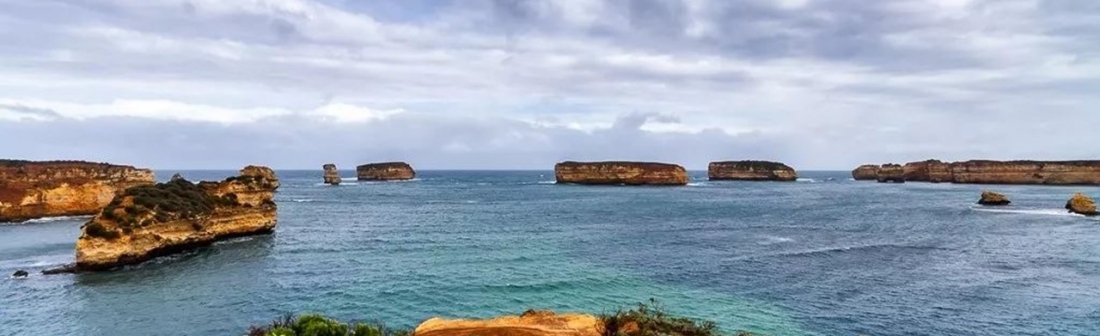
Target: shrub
<point>95,229</point>
<point>651,320</point>
<point>319,325</point>
<point>282,332</point>
<point>179,196</point>
<point>362,329</point>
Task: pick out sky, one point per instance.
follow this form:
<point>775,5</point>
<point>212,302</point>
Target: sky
<point>522,84</point>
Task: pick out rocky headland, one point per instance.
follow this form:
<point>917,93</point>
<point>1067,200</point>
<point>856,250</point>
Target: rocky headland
<point>865,173</point>
<point>990,172</point>
<point>620,173</point>
<point>750,171</point>
<point>1081,204</point>
<point>36,189</point>
<point>993,199</point>
<point>890,173</point>
<point>150,221</point>
<point>385,171</point>
<point>332,175</point>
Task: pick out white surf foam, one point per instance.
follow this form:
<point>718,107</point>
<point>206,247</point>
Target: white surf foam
<point>547,182</point>
<point>58,219</point>
<point>302,200</point>
<point>768,240</point>
<point>806,179</point>
<point>1036,212</point>
<point>697,184</point>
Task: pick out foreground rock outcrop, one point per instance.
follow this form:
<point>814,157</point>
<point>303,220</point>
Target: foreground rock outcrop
<point>993,199</point>
<point>332,175</point>
<point>865,173</point>
<point>891,173</point>
<point>151,221</point>
<point>620,172</point>
<point>385,171</point>
<point>36,189</point>
<point>750,171</point>
<point>531,323</point>
<point>1081,204</point>
<point>991,172</point>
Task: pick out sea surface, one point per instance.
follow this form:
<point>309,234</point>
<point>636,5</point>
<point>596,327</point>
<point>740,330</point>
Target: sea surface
<point>821,256</point>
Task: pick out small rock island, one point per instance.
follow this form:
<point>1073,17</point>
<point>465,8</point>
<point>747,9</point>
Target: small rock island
<point>385,171</point>
<point>750,171</point>
<point>989,172</point>
<point>151,221</point>
<point>36,189</point>
<point>332,175</point>
<point>1081,204</point>
<point>620,173</point>
<point>990,198</point>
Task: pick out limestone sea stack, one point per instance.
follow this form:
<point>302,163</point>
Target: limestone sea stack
<point>151,221</point>
<point>36,189</point>
<point>891,173</point>
<point>993,199</point>
<point>1081,204</point>
<point>993,172</point>
<point>332,175</point>
<point>620,173</point>
<point>531,323</point>
<point>750,171</point>
<point>385,171</point>
<point>865,173</point>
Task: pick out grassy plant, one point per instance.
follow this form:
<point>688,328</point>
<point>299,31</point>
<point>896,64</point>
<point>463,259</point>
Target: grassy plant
<point>97,230</point>
<point>652,320</point>
<point>319,325</point>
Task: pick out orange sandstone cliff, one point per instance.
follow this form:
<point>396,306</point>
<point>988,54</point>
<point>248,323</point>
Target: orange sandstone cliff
<point>30,189</point>
<point>531,323</point>
<point>620,172</point>
<point>991,172</point>
<point>750,171</point>
<point>331,175</point>
<point>150,221</point>
<point>865,173</point>
<point>385,171</point>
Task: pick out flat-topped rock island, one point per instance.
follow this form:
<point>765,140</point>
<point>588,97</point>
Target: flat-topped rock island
<point>36,189</point>
<point>166,218</point>
<point>385,171</point>
<point>620,173</point>
<point>989,172</point>
<point>750,171</point>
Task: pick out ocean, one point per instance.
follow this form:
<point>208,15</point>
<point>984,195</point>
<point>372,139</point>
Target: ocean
<point>821,256</point>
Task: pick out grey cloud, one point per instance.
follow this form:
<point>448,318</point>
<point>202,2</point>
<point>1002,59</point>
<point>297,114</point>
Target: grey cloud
<point>31,111</point>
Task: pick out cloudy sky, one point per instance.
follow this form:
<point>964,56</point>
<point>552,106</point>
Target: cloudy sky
<point>819,84</point>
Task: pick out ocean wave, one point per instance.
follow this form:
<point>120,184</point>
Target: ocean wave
<point>844,249</point>
<point>806,179</point>
<point>302,200</point>
<point>697,184</point>
<point>768,240</point>
<point>547,182</point>
<point>57,219</point>
<point>322,184</point>
<point>1037,212</point>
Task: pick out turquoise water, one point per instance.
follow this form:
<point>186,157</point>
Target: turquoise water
<point>823,256</point>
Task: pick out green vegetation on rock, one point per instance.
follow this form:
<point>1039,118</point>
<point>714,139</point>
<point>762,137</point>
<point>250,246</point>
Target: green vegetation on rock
<point>178,198</point>
<point>319,325</point>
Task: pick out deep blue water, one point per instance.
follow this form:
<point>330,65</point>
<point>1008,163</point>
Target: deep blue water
<point>823,257</point>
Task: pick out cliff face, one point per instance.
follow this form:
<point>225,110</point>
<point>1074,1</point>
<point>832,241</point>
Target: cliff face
<point>994,172</point>
<point>934,171</point>
<point>891,173</point>
<point>31,190</point>
<point>151,221</point>
<point>531,323</point>
<point>385,171</point>
<point>619,172</point>
<point>750,171</point>
<point>332,175</point>
<point>865,173</point>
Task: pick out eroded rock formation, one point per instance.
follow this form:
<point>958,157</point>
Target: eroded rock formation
<point>750,171</point>
<point>865,173</point>
<point>150,221</point>
<point>1081,204</point>
<point>620,172</point>
<point>531,323</point>
<point>993,172</point>
<point>30,189</point>
<point>993,199</point>
<point>332,175</point>
<point>890,173</point>
<point>385,171</point>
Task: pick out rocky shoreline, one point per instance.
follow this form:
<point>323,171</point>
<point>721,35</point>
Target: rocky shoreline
<point>750,171</point>
<point>620,173</point>
<point>38,189</point>
<point>385,171</point>
<point>152,221</point>
<point>985,172</point>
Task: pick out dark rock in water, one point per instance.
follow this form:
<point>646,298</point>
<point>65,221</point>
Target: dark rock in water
<point>176,177</point>
<point>992,198</point>
<point>1081,204</point>
<point>70,268</point>
<point>20,274</point>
